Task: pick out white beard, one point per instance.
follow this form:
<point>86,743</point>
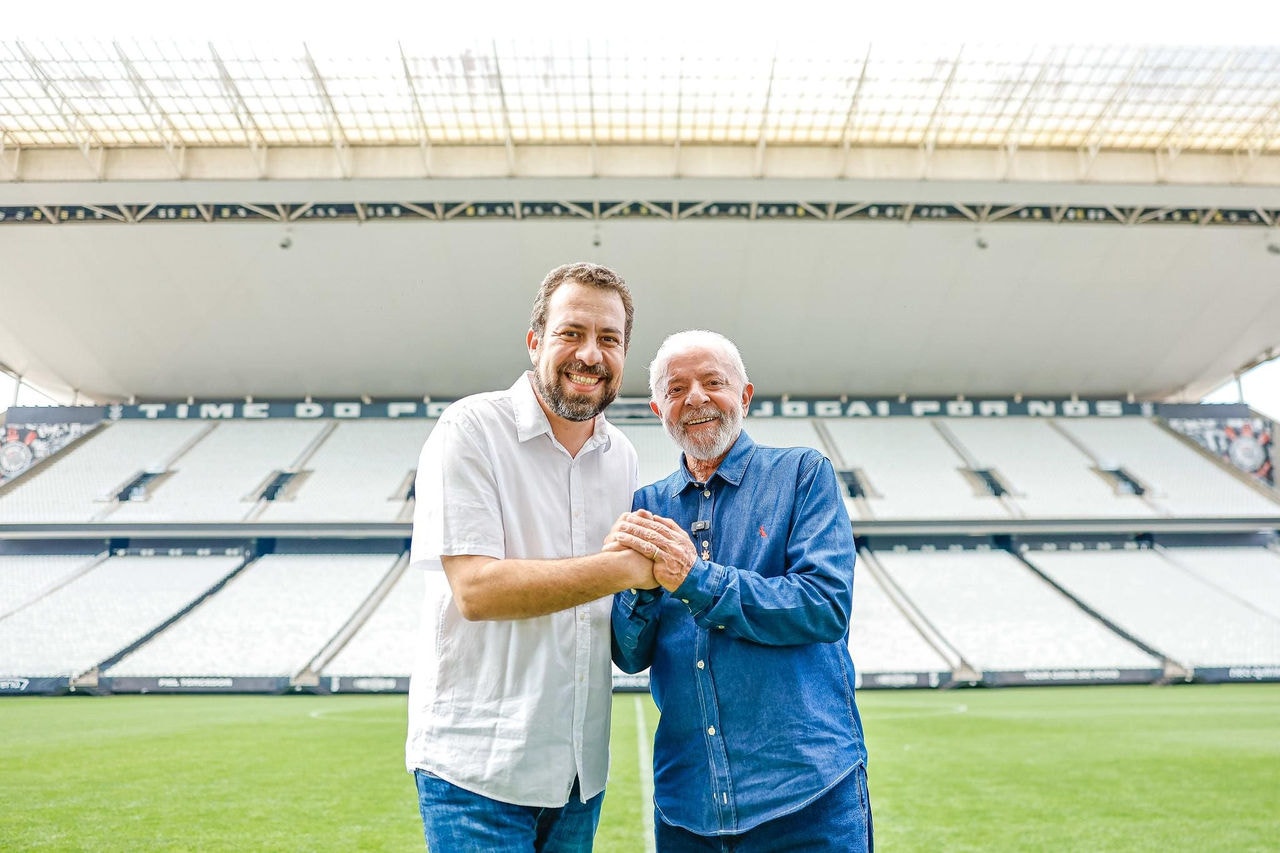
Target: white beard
<point>711,446</point>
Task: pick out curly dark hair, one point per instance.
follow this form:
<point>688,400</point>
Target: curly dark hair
<point>582,272</point>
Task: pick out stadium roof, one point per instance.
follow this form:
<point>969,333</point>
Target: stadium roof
<point>222,217</point>
<point>396,108</point>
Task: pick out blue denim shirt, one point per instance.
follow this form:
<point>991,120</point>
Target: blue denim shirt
<point>749,656</point>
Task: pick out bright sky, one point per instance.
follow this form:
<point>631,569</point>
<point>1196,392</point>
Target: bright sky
<point>1261,390</point>
<point>27,396</point>
<point>716,25</point>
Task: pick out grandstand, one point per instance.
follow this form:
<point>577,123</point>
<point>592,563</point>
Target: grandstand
<point>996,324</point>
<point>306,588</point>
<point>269,622</point>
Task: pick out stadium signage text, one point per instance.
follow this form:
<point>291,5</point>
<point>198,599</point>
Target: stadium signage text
<point>374,684</point>
<point>300,410</point>
<point>761,407</point>
<point>1073,675</point>
<point>785,407</point>
<point>196,681</point>
<point>1256,673</point>
<point>897,679</point>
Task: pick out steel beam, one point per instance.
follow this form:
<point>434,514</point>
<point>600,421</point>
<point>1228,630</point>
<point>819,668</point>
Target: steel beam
<point>87,141</point>
<point>1168,150</point>
<point>764,117</point>
<point>850,116</point>
<point>244,116</point>
<point>10,162</point>
<point>1263,134</point>
<point>170,136</point>
<point>337,135</point>
<point>930,138</point>
<point>1018,124</point>
<point>506,116</point>
<point>1093,140</point>
<point>591,109</point>
<point>424,135</point>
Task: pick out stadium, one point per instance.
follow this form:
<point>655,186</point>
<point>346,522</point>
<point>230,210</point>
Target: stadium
<point>994,285</point>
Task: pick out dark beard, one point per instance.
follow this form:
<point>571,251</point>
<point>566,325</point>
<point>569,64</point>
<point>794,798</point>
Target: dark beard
<point>573,408</point>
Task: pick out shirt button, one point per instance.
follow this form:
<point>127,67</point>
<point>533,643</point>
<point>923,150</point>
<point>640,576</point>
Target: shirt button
<point>719,627</point>
<point>684,601</point>
<point>702,664</point>
<point>706,544</point>
<point>706,493</point>
<point>711,730</point>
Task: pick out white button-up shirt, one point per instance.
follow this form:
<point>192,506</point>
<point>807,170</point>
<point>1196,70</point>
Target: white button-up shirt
<point>514,709</point>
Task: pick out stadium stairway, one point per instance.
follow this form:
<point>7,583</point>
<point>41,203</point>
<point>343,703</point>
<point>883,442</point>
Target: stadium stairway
<point>89,680</point>
<point>1173,671</point>
<point>309,676</point>
<point>962,672</point>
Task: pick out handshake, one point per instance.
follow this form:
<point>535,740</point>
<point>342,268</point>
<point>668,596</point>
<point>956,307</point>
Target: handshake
<point>667,550</point>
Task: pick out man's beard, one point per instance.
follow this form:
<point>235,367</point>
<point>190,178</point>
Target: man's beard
<point>707,447</point>
<point>572,406</point>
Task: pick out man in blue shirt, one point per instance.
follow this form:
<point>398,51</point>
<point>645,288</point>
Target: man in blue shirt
<point>759,747</point>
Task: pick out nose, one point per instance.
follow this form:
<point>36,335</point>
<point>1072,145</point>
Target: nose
<point>696,396</point>
<point>589,352</point>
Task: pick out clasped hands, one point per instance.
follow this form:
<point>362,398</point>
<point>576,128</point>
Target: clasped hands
<point>657,538</point>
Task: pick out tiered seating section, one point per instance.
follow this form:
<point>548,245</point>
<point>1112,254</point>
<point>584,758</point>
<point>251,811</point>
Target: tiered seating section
<point>922,617</point>
<point>102,612</point>
<point>78,484</point>
<point>1181,481</point>
<point>987,610</point>
<point>1193,621</point>
<point>910,469</point>
<point>24,579</point>
<point>1251,576</point>
<point>360,473</point>
<point>890,647</point>
<point>1001,617</point>
<point>270,620</point>
<point>1051,476</point>
<point>217,478</point>
<point>387,641</point>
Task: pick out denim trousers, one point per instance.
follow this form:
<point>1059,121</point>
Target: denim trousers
<point>454,819</point>
<point>839,820</point>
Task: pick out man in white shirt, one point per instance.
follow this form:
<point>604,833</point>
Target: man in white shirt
<point>516,491</point>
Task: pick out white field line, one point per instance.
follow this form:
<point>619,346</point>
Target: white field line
<point>646,775</point>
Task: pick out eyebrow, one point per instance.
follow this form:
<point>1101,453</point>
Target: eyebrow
<point>701,377</point>
<point>577,324</point>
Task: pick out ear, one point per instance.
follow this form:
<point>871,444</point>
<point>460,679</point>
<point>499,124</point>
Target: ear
<point>746,397</point>
<point>656,410</point>
<point>531,341</point>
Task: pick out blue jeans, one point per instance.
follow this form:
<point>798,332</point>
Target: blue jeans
<point>839,820</point>
<point>457,820</point>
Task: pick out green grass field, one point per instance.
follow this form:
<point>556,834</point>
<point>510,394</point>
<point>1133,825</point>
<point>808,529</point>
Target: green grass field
<point>1186,768</point>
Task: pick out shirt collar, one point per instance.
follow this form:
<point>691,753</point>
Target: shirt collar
<point>531,419</point>
<point>731,470</point>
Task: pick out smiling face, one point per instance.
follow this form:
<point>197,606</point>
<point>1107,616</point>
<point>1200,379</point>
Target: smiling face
<point>578,359</point>
<point>701,402</point>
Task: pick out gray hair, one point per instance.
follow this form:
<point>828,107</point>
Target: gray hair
<point>693,339</point>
